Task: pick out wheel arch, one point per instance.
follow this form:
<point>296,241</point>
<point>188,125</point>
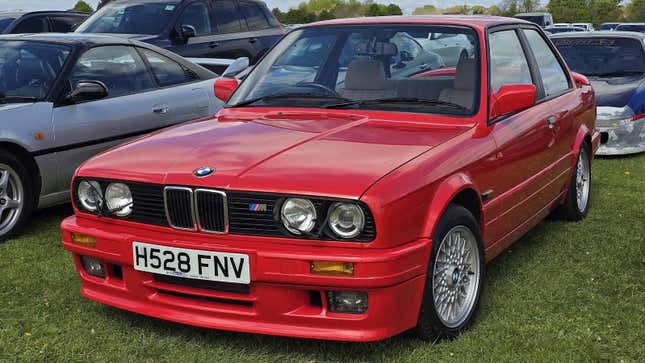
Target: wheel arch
<point>30,164</point>
<point>456,189</point>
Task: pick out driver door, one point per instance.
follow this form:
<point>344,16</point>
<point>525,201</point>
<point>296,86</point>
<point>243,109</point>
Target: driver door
<point>131,108</point>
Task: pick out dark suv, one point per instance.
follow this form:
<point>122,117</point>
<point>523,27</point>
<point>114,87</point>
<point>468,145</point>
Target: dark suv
<point>40,22</point>
<point>226,29</point>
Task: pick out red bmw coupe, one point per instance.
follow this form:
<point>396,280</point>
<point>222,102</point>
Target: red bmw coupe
<point>352,189</point>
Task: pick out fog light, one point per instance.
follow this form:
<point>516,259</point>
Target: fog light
<point>93,266</point>
<point>332,268</point>
<point>83,240</point>
<point>352,302</point>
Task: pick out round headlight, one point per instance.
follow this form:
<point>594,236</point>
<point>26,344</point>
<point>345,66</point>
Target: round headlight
<point>346,219</point>
<point>119,199</point>
<point>90,195</point>
<point>298,215</point>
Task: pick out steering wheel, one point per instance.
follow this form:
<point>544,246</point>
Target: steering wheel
<point>319,86</point>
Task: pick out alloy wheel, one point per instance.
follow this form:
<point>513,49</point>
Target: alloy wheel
<point>12,196</point>
<point>583,177</point>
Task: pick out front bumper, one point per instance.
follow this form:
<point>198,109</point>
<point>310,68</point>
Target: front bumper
<point>619,134</point>
<point>284,298</point>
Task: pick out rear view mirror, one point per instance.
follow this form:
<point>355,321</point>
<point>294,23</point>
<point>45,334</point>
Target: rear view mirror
<point>512,98</point>
<point>224,88</point>
<point>87,91</point>
<point>376,49</point>
<point>187,31</point>
<point>235,68</point>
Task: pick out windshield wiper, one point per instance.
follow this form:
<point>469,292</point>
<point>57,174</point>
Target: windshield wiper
<point>408,100</point>
<point>285,95</point>
<point>616,74</point>
<point>8,99</point>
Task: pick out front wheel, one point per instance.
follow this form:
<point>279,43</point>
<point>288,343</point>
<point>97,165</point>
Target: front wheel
<point>454,278</point>
<point>15,195</point>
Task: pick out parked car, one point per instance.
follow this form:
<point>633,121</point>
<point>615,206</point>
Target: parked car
<point>40,21</point>
<point>556,30</point>
<point>614,62</point>
<point>631,27</point>
<point>451,47</point>
<point>226,29</point>
<point>541,19</point>
<point>346,213</point>
<point>608,26</point>
<point>586,26</point>
<point>66,97</point>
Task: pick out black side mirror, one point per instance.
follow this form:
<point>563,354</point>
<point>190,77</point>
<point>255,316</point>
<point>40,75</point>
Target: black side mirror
<point>87,91</point>
<point>187,31</point>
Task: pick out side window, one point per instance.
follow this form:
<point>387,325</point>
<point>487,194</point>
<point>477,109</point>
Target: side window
<point>196,15</point>
<point>254,16</point>
<point>119,67</point>
<point>31,25</point>
<point>64,24</point>
<point>508,64</point>
<point>227,17</point>
<point>553,76</point>
<point>167,71</point>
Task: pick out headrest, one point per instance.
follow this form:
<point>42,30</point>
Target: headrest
<point>364,74</point>
<point>466,74</point>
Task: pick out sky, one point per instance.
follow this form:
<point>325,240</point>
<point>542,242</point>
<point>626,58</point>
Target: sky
<point>406,5</point>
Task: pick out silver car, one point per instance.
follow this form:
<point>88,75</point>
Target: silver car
<point>67,97</point>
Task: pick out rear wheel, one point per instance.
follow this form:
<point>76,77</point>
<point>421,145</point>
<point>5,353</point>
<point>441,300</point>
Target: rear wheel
<point>576,205</point>
<point>16,196</point>
<point>454,278</point>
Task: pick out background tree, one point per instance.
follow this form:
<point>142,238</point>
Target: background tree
<point>426,10</point>
<point>586,11</point>
<point>635,11</point>
<point>83,7</point>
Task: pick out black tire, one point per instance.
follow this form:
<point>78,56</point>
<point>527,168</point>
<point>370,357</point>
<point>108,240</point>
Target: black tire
<point>28,199</point>
<point>569,210</point>
<point>429,326</point>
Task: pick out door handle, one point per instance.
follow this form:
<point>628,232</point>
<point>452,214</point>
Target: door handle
<point>551,120</point>
<point>253,40</point>
<point>213,45</point>
<point>160,109</point>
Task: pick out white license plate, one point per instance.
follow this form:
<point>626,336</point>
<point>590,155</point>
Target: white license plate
<point>193,264</point>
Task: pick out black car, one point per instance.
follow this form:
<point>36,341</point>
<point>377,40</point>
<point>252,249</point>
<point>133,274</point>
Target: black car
<point>631,27</point>
<point>225,29</point>
<point>40,22</point>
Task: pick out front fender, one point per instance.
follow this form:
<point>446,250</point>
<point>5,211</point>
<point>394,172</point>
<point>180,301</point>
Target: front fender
<point>443,194</point>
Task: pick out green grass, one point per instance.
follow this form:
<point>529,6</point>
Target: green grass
<point>564,292</point>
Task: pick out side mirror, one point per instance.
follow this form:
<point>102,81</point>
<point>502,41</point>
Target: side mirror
<point>224,88</point>
<point>187,31</point>
<point>235,68</point>
<point>580,79</point>
<point>87,91</point>
<point>512,98</point>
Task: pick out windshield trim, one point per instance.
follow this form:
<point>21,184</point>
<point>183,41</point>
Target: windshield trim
<point>91,20</point>
<point>477,108</point>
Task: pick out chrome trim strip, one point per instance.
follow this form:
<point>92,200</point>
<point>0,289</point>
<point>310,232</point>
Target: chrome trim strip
<point>224,210</point>
<point>192,207</point>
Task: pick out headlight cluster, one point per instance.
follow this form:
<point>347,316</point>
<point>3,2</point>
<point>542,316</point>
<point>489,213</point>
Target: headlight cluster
<point>115,199</point>
<point>345,220</point>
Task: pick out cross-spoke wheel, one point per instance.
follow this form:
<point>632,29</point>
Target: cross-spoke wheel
<point>16,198</point>
<point>455,275</point>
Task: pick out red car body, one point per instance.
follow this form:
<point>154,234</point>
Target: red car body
<point>405,167</point>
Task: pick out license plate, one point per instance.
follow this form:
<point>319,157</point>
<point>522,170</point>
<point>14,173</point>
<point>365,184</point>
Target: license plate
<point>193,264</point>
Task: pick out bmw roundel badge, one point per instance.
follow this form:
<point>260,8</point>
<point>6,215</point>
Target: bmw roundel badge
<point>203,171</point>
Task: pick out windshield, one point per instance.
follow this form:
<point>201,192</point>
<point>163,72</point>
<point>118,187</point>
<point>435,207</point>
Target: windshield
<point>602,56</point>
<point>323,66</point>
<point>4,23</point>
<point>631,28</point>
<point>128,18</point>
<point>537,19</point>
<point>29,69</point>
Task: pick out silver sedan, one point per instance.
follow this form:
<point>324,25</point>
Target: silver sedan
<point>67,97</point>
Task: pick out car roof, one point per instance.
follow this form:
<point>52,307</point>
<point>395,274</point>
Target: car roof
<point>532,14</point>
<point>601,34</point>
<point>471,20</point>
<point>73,39</point>
<point>23,13</point>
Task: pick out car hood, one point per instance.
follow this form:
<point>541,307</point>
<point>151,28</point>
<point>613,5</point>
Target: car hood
<point>615,91</point>
<point>289,151</point>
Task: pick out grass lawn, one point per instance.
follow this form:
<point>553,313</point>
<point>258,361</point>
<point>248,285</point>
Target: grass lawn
<point>564,292</point>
